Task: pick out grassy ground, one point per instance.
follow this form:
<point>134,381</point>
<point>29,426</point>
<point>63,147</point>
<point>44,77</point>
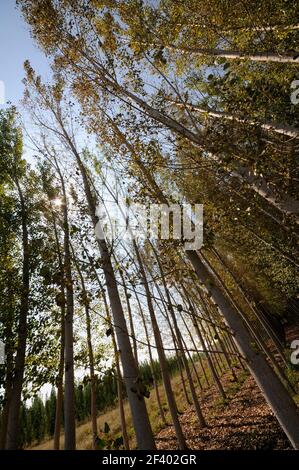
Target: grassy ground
<point>111,416</point>
<point>242,421</point>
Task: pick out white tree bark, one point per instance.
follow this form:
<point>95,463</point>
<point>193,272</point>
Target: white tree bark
<point>267,126</point>
<point>284,57</point>
<point>271,387</point>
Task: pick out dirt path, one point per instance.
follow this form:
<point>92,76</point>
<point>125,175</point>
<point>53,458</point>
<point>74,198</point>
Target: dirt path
<point>244,422</point>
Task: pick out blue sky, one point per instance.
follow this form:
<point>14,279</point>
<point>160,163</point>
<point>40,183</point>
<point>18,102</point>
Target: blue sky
<point>16,46</point>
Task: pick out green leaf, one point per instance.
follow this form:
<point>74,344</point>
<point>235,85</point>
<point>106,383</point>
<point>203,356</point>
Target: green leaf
<point>100,443</point>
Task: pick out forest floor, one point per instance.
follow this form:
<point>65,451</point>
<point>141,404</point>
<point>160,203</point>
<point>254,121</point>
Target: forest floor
<point>242,421</point>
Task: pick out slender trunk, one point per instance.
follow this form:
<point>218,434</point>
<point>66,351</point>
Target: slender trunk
<point>130,315</point>
<point>210,361</point>
<point>116,355</point>
<point>226,355</point>
<point>257,336</point>
<point>178,351</point>
<point>93,385</point>
<point>190,359</point>
<point>267,126</point>
<point>8,335</point>
<point>59,397</point>
<point>197,352</point>
<point>283,57</point>
<point>199,414</point>
<point>13,419</point>
<point>141,422</point>
<point>232,348</point>
<point>215,355</point>
<point>161,354</point>
<point>271,387</point>
<point>92,379</point>
<point>287,204</point>
<point>144,435</point>
<point>59,382</point>
<point>259,315</point>
<point>180,363</point>
<point>69,380</point>
<point>120,399</point>
<point>6,403</point>
<point>203,344</point>
<point>212,331</point>
<point>250,29</point>
<point>122,416</point>
<point>93,410</point>
<point>121,408</point>
<point>155,382</point>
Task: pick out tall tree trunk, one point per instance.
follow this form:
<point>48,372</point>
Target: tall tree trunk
<point>130,315</point>
<point>267,126</point>
<point>256,335</point>
<point>92,379</point>
<point>161,354</point>
<point>155,382</point>
<point>59,382</point>
<point>7,393</point>
<point>226,354</point>
<point>214,333</point>
<point>250,29</point>
<point>283,57</point>
<point>271,387</point>
<point>144,435</point>
<point>119,383</point>
<point>69,380</point>
<point>178,351</point>
<point>93,385</point>
<point>59,393</point>
<point>116,355</point>
<point>285,204</point>
<point>190,359</point>
<point>197,352</point>
<point>178,355</point>
<point>194,319</point>
<point>9,360</point>
<point>199,414</point>
<point>256,313</point>
<point>203,344</point>
<point>120,398</point>
<point>13,420</point>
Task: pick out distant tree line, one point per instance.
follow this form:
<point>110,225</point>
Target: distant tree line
<point>38,418</point>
